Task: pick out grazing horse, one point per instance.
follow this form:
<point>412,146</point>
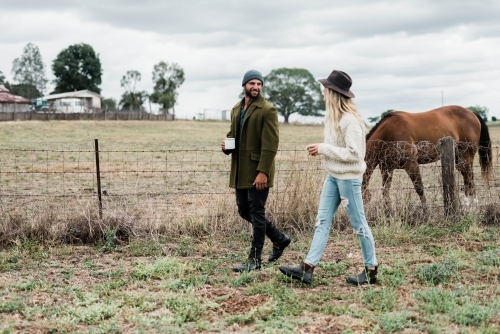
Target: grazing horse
<point>403,140</point>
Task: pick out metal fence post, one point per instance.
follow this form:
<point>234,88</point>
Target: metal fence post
<point>98,172</point>
<point>447,151</point>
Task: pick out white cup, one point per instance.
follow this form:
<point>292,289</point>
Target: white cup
<point>230,144</point>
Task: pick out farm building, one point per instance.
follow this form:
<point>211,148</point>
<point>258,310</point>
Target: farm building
<point>12,103</point>
<point>77,101</point>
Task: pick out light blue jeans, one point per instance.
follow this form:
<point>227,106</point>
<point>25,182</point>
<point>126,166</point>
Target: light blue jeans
<point>348,194</point>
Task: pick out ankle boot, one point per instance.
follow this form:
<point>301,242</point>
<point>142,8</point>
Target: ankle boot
<point>248,265</point>
<point>303,272</point>
<point>367,276</point>
<point>278,248</point>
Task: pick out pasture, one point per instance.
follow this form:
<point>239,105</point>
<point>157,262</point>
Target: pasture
<point>161,258</point>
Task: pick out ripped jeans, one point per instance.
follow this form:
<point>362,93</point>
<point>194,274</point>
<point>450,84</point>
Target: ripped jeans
<point>348,194</point>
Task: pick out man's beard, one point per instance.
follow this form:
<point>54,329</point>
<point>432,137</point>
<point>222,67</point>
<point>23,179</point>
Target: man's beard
<point>248,93</point>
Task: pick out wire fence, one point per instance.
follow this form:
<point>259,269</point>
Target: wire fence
<point>164,187</point>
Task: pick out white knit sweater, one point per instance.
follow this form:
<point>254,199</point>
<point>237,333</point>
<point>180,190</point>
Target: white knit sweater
<point>345,151</point>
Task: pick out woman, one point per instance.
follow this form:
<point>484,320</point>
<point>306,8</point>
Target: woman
<point>344,152</point>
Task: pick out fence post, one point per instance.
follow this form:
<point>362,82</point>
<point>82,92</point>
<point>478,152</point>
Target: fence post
<point>98,172</point>
<point>447,151</point>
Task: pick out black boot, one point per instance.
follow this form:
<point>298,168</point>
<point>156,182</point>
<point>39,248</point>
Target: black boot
<point>249,265</point>
<point>278,248</point>
<point>367,276</point>
<point>303,272</point>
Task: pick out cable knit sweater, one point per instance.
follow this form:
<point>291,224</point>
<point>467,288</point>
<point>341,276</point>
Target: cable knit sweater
<point>345,150</point>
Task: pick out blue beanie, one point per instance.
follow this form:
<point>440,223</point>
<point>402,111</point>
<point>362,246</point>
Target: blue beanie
<point>252,74</point>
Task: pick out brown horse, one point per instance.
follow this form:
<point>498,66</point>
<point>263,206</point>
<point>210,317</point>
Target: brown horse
<point>403,140</point>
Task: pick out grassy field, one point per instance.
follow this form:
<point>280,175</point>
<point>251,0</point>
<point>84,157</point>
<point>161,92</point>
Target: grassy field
<point>434,278</point>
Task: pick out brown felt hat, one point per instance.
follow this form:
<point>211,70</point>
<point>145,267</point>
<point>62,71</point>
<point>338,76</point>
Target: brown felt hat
<point>338,81</point>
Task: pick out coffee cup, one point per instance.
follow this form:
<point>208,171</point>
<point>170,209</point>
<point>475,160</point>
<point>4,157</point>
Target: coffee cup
<point>229,143</point>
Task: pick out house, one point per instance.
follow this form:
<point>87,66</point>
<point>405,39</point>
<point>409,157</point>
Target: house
<point>13,103</point>
<point>67,102</point>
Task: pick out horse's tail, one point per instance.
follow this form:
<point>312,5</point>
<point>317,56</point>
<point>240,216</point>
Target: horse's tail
<point>485,150</point>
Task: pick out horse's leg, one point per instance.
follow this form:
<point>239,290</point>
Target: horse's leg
<point>465,167</point>
<point>411,168</point>
<point>370,167</point>
<point>386,183</point>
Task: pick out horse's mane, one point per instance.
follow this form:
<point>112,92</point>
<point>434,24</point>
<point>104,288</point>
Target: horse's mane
<point>372,130</point>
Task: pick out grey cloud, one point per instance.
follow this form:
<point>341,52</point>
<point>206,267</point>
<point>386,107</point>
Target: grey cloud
<point>279,23</point>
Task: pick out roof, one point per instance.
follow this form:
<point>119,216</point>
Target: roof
<point>6,97</point>
<point>76,93</point>
<point>3,89</point>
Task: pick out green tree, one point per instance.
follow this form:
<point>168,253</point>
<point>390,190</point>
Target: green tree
<point>108,103</point>
<point>167,78</point>
<point>29,72</point>
<point>132,99</point>
<point>2,78</point>
<point>378,118</point>
<point>294,90</point>
<point>77,68</point>
<point>481,111</point>
<point>26,90</point>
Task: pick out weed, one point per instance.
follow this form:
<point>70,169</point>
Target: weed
<point>392,277</point>
<point>10,262</point>
<point>242,279</point>
<point>436,300</point>
<point>95,313</point>
<point>186,308</point>
<point>161,269</point>
<point>67,274</point>
<point>145,248</point>
<point>185,247</point>
<point>108,243</point>
<point>392,322</point>
<point>333,269</point>
<point>471,315</point>
<point>490,257</point>
<point>379,299</point>
<point>11,306</point>
<point>437,273</point>
<point>27,286</point>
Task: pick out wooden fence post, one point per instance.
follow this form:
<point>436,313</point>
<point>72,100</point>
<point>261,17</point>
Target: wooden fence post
<point>98,173</point>
<point>450,198</point>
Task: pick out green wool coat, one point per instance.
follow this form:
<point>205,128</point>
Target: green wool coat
<point>258,143</point>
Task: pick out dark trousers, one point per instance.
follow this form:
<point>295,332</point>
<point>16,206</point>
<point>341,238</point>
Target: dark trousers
<point>251,207</point>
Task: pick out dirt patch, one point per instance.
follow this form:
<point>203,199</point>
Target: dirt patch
<point>239,303</point>
<point>232,301</point>
<point>334,325</point>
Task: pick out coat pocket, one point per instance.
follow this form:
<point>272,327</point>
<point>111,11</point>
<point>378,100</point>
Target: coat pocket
<point>255,156</point>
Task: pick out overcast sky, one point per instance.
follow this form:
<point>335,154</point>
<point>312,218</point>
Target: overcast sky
<point>403,55</point>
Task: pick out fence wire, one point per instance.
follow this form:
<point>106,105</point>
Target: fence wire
<point>161,183</point>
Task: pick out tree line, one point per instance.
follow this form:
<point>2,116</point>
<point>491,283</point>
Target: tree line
<point>78,67</point>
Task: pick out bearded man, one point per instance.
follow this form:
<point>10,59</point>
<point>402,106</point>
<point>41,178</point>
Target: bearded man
<point>254,125</point>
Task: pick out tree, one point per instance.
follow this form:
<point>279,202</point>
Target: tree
<point>132,98</point>
<point>108,103</point>
<point>2,78</point>
<point>29,72</point>
<point>378,118</point>
<point>481,111</point>
<point>294,90</point>
<point>77,68</point>
<point>26,90</point>
<point>167,79</point>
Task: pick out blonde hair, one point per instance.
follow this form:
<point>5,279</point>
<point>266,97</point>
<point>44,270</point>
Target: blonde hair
<point>336,105</point>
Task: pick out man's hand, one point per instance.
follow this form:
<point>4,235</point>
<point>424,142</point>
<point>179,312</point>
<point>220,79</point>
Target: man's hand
<point>312,149</point>
<point>223,145</point>
<point>260,182</point>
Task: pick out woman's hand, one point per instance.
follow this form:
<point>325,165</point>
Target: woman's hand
<point>312,150</point>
